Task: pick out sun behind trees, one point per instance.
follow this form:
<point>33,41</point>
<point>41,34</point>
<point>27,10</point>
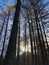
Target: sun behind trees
<point>23,32</point>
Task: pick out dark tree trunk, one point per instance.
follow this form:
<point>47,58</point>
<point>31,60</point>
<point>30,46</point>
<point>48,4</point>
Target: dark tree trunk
<point>41,43</point>
<point>2,29</point>
<point>44,33</point>
<point>18,45</point>
<point>31,40</point>
<point>11,51</point>
<point>4,40</point>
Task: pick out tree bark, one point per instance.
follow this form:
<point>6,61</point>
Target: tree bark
<point>11,51</point>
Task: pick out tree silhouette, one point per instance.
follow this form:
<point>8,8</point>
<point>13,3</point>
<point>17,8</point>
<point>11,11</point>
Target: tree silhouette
<point>28,43</point>
<point>11,51</point>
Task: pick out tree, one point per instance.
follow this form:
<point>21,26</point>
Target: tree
<point>32,13</point>
<point>11,51</point>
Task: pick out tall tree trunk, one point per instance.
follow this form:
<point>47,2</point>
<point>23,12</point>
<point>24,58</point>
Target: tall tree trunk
<point>2,28</point>
<point>31,42</point>
<point>11,51</point>
<point>44,33</point>
<point>4,39</point>
<point>18,44</point>
<point>41,43</point>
